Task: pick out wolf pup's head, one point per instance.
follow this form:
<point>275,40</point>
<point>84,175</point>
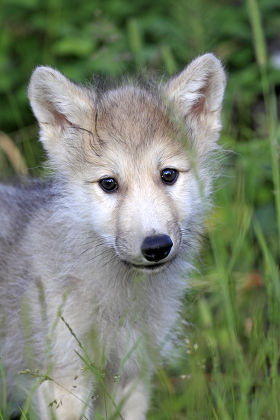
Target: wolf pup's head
<point>137,162</point>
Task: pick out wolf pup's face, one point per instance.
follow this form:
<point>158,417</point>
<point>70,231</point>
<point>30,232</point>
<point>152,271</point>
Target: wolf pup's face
<point>136,161</point>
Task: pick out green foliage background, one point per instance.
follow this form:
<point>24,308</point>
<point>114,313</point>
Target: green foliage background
<point>229,365</point>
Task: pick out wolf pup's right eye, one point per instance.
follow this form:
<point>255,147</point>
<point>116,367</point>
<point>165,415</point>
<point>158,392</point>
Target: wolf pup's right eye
<point>108,185</point>
<point>169,176</point>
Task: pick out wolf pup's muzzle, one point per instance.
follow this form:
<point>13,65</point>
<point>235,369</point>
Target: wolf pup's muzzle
<point>155,248</point>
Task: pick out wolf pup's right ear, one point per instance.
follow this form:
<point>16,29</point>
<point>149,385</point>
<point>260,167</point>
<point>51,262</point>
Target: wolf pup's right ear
<point>196,95</point>
<point>58,104</point>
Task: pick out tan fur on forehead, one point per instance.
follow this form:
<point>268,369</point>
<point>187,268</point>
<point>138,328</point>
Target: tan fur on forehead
<point>78,126</point>
<point>134,116</point>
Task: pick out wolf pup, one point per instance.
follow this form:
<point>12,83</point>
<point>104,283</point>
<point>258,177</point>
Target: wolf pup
<point>93,264</point>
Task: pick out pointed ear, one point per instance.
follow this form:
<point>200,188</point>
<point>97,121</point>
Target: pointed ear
<point>197,95</point>
<point>58,104</point>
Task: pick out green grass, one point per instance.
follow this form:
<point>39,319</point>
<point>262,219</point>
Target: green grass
<point>228,365</point>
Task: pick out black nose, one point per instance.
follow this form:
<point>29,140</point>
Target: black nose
<point>156,247</point>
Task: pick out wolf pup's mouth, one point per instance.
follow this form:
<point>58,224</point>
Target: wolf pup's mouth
<point>148,267</point>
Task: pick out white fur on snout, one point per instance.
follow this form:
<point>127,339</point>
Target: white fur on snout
<point>146,211</point>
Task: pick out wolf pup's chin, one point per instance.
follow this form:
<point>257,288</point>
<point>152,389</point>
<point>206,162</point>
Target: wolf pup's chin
<point>133,167</point>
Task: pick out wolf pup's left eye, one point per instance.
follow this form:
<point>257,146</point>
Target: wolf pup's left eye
<point>108,185</point>
<point>169,176</point>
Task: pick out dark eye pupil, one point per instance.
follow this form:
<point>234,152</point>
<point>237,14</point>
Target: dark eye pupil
<point>169,176</point>
<point>108,184</point>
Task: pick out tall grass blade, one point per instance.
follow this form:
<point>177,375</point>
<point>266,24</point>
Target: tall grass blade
<point>269,98</point>
<point>3,389</point>
<point>135,40</point>
<point>13,154</point>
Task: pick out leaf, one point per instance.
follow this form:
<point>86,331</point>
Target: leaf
<point>75,46</point>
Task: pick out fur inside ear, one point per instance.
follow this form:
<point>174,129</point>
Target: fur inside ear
<point>55,99</point>
<point>197,94</point>
<point>60,106</point>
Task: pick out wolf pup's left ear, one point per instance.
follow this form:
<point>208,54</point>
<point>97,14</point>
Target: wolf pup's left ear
<point>197,95</point>
<point>58,104</point>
